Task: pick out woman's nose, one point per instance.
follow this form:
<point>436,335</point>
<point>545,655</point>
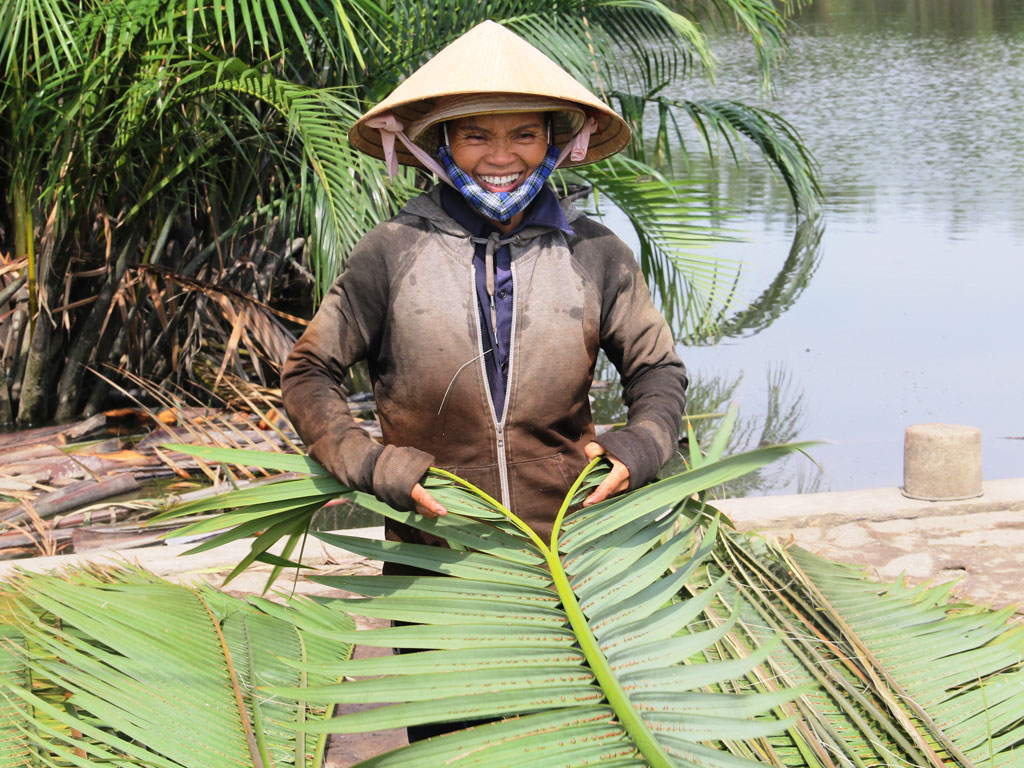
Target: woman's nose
<point>500,151</point>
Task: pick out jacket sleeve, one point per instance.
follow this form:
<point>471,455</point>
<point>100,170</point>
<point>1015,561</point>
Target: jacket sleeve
<point>640,345</point>
<point>348,328</point>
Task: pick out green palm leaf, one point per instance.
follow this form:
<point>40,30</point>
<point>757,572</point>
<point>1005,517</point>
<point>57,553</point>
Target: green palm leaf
<point>896,675</point>
<point>584,630</point>
<point>16,734</point>
<point>639,633</point>
<point>955,670</point>
<point>124,669</point>
<point>647,636</point>
<point>692,287</point>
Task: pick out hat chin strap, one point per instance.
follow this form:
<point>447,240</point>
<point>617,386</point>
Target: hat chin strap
<point>577,147</point>
<point>389,128</point>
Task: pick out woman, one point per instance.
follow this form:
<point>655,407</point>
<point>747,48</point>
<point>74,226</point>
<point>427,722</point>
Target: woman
<point>481,307</point>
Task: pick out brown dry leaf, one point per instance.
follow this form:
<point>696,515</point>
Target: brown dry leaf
<point>271,419</point>
<point>237,321</point>
<point>183,485</point>
<point>174,467</point>
<point>125,457</point>
<point>12,266</point>
<point>156,296</point>
<point>124,413</point>
<point>273,337</point>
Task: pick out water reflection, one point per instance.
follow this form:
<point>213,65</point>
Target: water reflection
<point>708,398</point>
<point>953,19</point>
<point>904,104</point>
<point>782,292</point>
<point>783,421</point>
<point>912,109</point>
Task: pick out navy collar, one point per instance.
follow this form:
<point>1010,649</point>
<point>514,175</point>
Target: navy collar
<point>544,211</point>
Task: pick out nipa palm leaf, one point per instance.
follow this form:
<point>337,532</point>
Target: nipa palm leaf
<point>580,643</point>
<point>125,669</point>
<point>955,671</point>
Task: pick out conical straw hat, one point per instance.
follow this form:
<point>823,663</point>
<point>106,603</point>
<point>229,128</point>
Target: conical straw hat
<point>489,70</point>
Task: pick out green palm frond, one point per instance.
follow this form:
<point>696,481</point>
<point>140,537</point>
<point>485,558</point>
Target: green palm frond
<point>762,20</point>
<point>271,512</point>
<point>583,630</point>
<point>16,732</point>
<point>786,660</point>
<point>899,676</point>
<point>955,670</point>
<point>641,632</point>
<point>693,288</point>
<point>771,134</point>
<point>34,36</point>
<point>125,669</point>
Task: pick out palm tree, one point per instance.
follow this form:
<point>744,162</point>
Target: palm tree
<point>172,169</point>
<point>641,633</point>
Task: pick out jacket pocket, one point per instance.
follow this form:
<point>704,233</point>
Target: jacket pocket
<point>544,475</point>
<point>483,477</point>
<point>537,488</point>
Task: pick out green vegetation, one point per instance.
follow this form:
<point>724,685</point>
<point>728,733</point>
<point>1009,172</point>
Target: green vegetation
<point>121,668</point>
<point>174,174</point>
<point>642,632</point>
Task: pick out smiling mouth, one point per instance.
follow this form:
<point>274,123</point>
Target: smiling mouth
<point>501,181</point>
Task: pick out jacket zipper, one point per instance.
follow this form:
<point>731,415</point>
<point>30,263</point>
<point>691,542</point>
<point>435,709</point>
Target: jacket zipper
<point>499,424</point>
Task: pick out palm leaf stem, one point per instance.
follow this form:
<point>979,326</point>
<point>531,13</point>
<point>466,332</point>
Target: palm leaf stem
<point>813,661</point>
<point>259,734</point>
<point>557,527</point>
<point>892,692</point>
<point>596,659</point>
<point>516,521</point>
<point>25,248</point>
<point>250,738</point>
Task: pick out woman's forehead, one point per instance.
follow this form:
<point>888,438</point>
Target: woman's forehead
<point>500,121</point>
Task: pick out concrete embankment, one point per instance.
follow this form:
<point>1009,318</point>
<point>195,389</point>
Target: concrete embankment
<point>978,541</point>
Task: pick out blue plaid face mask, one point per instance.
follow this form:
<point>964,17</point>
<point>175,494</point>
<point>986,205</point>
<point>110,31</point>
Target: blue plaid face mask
<point>500,206</point>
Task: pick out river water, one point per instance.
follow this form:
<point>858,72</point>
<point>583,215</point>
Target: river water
<point>912,311</point>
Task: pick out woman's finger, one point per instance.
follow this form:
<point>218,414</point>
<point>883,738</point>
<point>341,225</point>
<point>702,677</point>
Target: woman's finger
<point>426,504</point>
<point>616,482</point>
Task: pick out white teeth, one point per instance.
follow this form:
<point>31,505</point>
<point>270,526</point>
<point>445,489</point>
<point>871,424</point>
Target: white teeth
<point>500,181</point>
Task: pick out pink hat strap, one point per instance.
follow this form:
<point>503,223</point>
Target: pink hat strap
<point>389,128</point>
<point>576,149</point>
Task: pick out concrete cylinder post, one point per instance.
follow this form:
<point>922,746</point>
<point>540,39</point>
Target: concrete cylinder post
<point>942,462</point>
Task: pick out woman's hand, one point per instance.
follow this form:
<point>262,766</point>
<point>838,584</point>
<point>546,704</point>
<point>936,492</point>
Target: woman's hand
<point>426,504</point>
<point>617,480</point>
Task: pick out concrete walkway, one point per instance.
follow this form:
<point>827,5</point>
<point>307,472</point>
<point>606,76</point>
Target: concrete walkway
<point>978,541</point>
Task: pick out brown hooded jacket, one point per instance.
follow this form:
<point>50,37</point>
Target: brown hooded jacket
<point>407,304</point>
